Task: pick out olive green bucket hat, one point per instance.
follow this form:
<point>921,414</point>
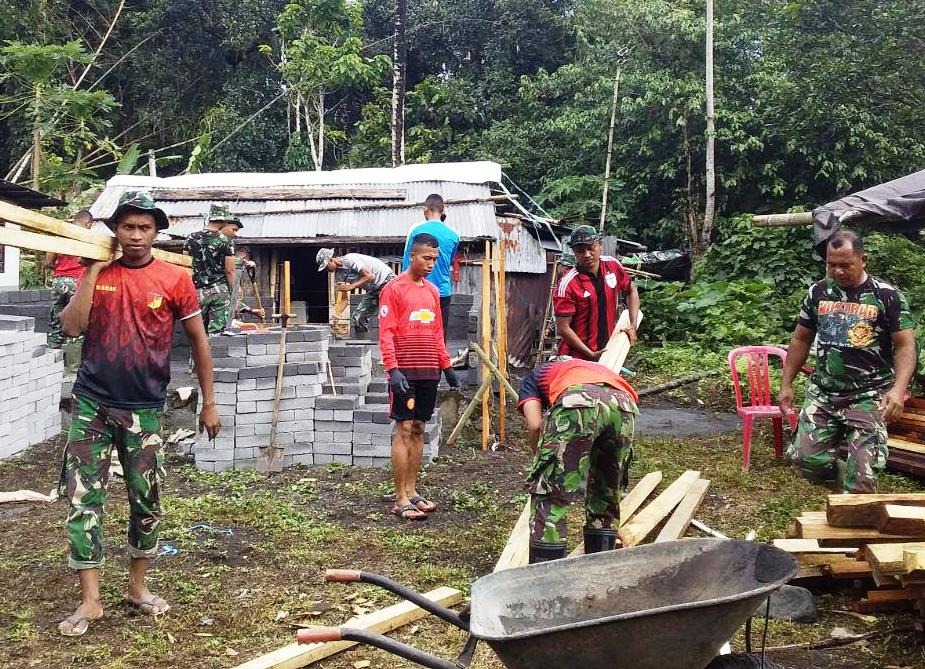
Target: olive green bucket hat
<point>220,213</point>
<point>138,201</point>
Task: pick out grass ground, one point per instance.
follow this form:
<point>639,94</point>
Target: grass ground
<point>241,584</point>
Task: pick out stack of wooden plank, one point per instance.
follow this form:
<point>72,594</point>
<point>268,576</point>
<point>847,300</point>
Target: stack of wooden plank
<point>907,438</point>
<point>876,537</point>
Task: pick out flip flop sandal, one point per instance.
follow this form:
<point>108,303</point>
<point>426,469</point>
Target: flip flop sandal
<point>78,625</point>
<point>417,501</point>
<point>400,511</point>
<point>153,606</point>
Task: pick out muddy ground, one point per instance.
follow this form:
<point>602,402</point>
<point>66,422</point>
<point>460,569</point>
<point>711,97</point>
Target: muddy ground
<point>244,554</point>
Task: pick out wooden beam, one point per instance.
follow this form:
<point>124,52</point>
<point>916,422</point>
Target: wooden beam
<point>848,570</point>
<point>774,220</point>
<point>646,520</point>
<point>279,193</point>
<point>680,520</point>
<point>848,510</point>
<point>618,347</point>
<point>631,502</point>
<point>486,342</point>
<point>385,620</point>
<point>810,546</point>
<point>898,519</point>
<point>813,525</point>
<point>889,558</point>
<point>516,552</point>
<point>50,244</point>
<point>914,561</point>
<point>895,443</point>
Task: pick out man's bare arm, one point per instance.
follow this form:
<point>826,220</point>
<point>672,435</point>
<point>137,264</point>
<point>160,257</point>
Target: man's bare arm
<point>797,353</point>
<point>202,358</point>
<point>903,369</point>
<point>533,415</point>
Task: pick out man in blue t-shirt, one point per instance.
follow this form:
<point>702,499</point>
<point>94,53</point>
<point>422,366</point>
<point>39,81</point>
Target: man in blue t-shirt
<point>448,240</point>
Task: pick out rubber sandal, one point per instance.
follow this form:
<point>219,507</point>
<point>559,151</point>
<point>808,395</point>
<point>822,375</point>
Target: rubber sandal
<point>402,510</point>
<point>153,606</point>
<point>78,625</point>
<point>429,507</point>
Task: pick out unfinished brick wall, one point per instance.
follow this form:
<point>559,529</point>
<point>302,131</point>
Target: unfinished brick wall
<point>30,386</point>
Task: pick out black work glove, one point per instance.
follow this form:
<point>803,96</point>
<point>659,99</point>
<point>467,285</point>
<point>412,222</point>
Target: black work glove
<point>451,377</point>
<point>397,381</point>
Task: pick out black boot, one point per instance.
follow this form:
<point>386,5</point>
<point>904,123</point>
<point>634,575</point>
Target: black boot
<point>597,541</point>
<point>541,551</point>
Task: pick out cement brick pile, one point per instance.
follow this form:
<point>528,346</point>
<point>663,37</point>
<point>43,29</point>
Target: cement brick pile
<point>30,386</point>
<point>35,304</point>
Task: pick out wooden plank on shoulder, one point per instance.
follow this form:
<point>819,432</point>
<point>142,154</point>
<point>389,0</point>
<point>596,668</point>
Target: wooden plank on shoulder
<point>23,239</point>
<point>639,527</point>
<point>847,510</point>
<point>680,520</point>
<point>384,620</point>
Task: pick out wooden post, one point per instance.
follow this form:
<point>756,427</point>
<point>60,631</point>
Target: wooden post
<point>613,118</point>
<point>500,315</point>
<point>486,342</point>
<point>552,287</point>
<point>287,294</point>
<point>270,458</point>
<point>274,273</point>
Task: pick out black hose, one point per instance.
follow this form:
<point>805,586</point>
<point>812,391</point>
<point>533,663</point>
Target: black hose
<point>764,636</point>
<point>415,597</point>
<point>410,653</point>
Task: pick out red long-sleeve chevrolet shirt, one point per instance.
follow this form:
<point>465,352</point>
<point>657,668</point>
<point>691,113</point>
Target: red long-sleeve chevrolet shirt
<point>411,329</point>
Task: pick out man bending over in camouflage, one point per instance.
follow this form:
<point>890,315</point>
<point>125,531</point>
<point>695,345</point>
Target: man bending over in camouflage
<point>863,331</point>
<point>126,309</point>
<point>585,446</point>
<point>213,267</point>
<point>353,271</point>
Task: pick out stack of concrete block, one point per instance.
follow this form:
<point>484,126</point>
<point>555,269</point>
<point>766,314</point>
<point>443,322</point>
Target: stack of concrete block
<point>334,421</point>
<point>245,388</point>
<point>30,386</point>
<point>35,304</point>
<point>351,368</point>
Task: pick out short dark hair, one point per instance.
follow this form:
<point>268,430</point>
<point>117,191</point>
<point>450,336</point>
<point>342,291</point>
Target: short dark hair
<point>425,239</point>
<point>842,237</point>
<point>435,202</point>
<point>83,215</point>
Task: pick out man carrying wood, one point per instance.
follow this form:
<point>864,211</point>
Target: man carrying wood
<point>865,358</point>
<point>66,271</point>
<point>355,270</point>
<point>213,267</point>
<point>413,354</point>
<point>584,446</point>
<point>587,300</point>
<point>126,309</point>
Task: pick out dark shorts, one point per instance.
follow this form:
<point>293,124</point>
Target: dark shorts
<point>417,404</point>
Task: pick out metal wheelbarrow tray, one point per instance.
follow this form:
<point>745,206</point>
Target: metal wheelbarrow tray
<point>670,604</point>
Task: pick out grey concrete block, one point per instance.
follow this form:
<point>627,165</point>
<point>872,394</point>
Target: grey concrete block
<point>311,368</point>
<point>304,437</point>
<point>322,458</point>
<point>261,360</point>
<point>264,372</point>
<point>237,351</point>
<point>298,404</point>
<point>254,348</point>
<point>331,448</point>
<point>339,402</point>
<point>379,450</point>
<point>255,418</point>
<point>307,459</point>
<point>333,426</point>
<point>381,417</point>
<point>246,384</point>
<point>324,437</point>
<point>309,391</point>
<point>248,407</point>
<point>227,363</point>
<point>323,414</point>
<point>344,415</point>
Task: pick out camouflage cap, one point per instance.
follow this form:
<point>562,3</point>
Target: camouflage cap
<point>221,213</point>
<point>323,258</point>
<point>138,201</point>
<point>584,234</point>
<point>567,259</point>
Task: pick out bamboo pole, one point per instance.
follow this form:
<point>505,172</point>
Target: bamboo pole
<point>470,409</point>
<point>613,119</point>
<point>774,220</point>
<point>486,341</point>
<point>545,326</point>
<point>501,286</point>
<point>274,273</point>
<point>502,378</point>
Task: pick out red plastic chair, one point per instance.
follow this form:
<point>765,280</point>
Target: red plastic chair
<point>759,392</point>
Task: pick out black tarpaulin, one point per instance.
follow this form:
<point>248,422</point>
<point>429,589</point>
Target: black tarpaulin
<point>898,205</point>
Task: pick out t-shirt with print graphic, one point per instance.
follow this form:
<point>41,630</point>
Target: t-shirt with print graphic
<point>354,262</point>
<point>208,249</point>
<point>125,362</point>
<point>854,330</point>
<point>411,329</point>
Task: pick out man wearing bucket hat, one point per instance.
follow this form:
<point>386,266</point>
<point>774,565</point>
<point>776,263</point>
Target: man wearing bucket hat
<point>583,445</point>
<point>355,270</point>
<point>126,309</point>
<point>588,297</point>
<point>212,252</point>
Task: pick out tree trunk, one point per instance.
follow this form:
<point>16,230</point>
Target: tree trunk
<point>398,84</point>
<point>613,118</point>
<point>37,140</point>
<point>320,165</point>
<point>710,203</point>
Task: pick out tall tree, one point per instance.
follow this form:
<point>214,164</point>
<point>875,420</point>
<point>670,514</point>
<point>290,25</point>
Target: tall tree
<point>399,69</point>
<point>700,238</point>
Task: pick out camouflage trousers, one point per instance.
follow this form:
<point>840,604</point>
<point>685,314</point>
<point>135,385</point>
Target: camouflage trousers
<point>95,430</point>
<point>585,447</point>
<point>829,421</point>
<point>215,302</point>
<point>63,289</point>
<point>365,308</point>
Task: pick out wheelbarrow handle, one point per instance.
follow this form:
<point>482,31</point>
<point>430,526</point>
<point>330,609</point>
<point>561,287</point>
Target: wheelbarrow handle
<point>372,639</point>
<point>354,576</point>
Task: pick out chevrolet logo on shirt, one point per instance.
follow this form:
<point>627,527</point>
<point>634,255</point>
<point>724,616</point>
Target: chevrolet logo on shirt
<point>423,315</point>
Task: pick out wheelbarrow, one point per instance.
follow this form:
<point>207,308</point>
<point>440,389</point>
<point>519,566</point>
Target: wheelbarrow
<point>671,604</point>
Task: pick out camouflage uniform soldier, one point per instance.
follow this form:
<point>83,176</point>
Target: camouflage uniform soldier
<point>863,330</point>
<point>585,446</point>
<point>213,267</point>
<point>67,270</point>
<point>352,271</point>
<point>127,310</point>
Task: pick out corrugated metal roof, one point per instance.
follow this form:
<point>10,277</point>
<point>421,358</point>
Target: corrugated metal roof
<point>523,253</point>
<point>353,218</point>
<point>24,196</point>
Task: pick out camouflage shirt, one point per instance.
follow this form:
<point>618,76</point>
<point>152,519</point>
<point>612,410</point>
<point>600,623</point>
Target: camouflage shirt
<point>854,327</point>
<point>208,250</point>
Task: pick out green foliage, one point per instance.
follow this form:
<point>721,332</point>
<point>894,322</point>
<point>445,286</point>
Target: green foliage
<point>896,259</point>
<point>30,272</point>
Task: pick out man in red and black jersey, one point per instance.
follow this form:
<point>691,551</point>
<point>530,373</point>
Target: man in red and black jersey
<point>413,354</point>
<point>126,311</point>
<point>588,298</point>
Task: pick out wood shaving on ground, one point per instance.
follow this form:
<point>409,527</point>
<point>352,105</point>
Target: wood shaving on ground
<point>26,496</point>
